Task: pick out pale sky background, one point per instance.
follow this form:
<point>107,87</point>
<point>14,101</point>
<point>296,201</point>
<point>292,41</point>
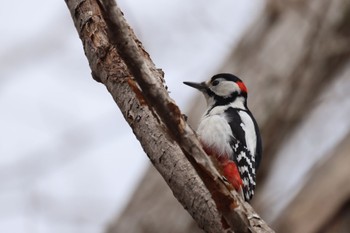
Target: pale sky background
<point>68,160</point>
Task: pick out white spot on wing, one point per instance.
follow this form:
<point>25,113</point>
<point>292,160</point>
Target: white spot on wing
<point>249,129</point>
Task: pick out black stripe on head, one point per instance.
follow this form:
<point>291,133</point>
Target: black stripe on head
<point>226,76</point>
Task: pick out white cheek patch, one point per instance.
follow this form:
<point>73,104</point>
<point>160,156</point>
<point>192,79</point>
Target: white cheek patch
<point>225,88</point>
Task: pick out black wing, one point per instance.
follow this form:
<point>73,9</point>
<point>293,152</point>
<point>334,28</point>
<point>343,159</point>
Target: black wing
<point>242,156</point>
<point>258,151</point>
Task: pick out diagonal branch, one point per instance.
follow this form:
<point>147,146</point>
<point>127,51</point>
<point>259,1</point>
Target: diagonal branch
<point>108,66</point>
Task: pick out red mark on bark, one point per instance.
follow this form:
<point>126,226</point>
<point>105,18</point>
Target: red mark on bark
<point>137,91</point>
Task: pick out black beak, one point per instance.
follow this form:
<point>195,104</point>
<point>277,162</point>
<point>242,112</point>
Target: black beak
<point>199,86</point>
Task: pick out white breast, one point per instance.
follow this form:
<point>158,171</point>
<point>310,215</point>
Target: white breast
<point>215,133</point>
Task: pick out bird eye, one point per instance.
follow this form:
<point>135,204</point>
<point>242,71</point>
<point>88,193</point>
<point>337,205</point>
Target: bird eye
<point>215,82</point>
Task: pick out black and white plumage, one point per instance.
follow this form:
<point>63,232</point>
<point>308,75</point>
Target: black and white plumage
<point>229,130</point>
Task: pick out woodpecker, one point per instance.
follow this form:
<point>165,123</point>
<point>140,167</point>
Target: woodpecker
<point>229,132</point>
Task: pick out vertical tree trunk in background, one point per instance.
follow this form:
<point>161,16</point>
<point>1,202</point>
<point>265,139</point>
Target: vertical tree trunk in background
<point>293,52</point>
<point>290,56</point>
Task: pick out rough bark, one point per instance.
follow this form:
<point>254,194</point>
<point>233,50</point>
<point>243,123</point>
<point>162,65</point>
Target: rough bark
<point>156,120</point>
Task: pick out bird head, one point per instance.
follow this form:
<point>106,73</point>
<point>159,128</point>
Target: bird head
<point>222,89</point>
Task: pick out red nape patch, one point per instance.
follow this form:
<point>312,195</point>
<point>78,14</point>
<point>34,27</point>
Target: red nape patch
<point>231,173</point>
<point>242,87</point>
